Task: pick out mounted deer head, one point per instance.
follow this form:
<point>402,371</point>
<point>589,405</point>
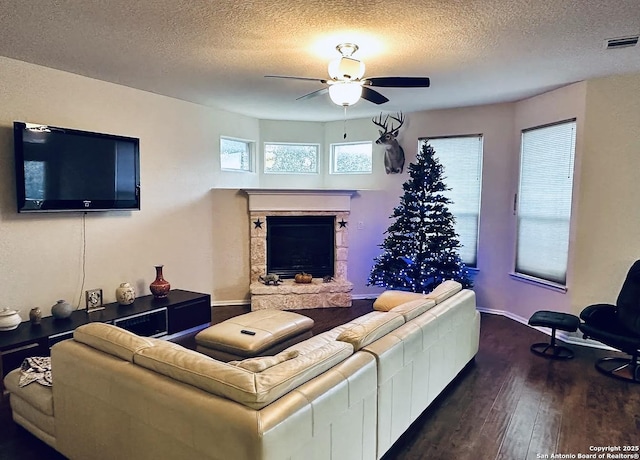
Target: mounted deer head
<point>393,153</point>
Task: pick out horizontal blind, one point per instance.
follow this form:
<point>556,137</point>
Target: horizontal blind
<point>461,159</point>
<point>544,201</point>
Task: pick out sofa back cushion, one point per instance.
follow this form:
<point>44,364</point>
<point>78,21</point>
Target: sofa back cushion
<point>444,290</point>
<point>252,389</point>
<point>111,339</point>
<point>390,299</point>
<point>370,327</point>
<point>261,363</point>
<point>414,308</point>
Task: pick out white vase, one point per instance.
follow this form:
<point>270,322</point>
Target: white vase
<point>125,294</point>
<point>9,319</point>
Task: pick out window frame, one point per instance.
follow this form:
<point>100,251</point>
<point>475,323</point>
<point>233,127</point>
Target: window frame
<point>332,158</point>
<point>251,147</point>
<point>472,265</point>
<point>304,144</point>
<point>538,278</point>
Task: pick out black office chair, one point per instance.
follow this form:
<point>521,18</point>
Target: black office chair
<point>619,327</point>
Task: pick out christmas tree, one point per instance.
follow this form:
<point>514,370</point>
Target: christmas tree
<point>421,246</point>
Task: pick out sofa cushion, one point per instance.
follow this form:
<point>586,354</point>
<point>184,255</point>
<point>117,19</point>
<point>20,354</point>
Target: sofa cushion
<point>370,327</point>
<point>444,290</point>
<point>38,396</point>
<point>414,308</point>
<point>164,343</point>
<point>391,298</point>
<point>264,362</point>
<point>252,389</point>
<point>111,339</point>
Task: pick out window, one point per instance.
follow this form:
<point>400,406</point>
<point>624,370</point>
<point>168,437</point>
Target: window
<point>352,158</point>
<point>291,158</point>
<point>235,154</point>
<point>461,158</point>
<point>544,201</point>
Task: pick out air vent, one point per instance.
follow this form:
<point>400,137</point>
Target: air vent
<point>622,42</point>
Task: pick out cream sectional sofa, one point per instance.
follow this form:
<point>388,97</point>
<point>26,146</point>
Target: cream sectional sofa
<point>348,393</point>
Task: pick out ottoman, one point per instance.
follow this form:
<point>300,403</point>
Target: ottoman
<point>258,333</point>
<point>554,320</point>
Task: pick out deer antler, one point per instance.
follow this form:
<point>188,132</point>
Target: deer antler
<point>400,119</point>
<point>383,124</point>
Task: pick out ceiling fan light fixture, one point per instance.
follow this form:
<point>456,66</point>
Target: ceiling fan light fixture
<point>345,93</point>
<point>346,68</point>
<point>347,49</point>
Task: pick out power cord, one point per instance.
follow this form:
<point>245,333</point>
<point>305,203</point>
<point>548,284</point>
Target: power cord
<point>84,257</point>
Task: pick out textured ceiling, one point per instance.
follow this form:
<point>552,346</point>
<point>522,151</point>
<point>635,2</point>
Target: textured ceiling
<point>217,52</point>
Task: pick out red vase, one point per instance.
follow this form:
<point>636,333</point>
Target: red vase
<point>160,286</point>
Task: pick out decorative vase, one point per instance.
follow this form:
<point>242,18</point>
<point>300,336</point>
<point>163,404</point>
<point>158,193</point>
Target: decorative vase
<point>160,286</point>
<point>35,316</point>
<point>125,294</point>
<point>9,319</point>
<point>61,310</point>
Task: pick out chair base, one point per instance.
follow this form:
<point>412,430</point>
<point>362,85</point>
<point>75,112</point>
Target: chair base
<point>626,369</point>
<point>551,351</point>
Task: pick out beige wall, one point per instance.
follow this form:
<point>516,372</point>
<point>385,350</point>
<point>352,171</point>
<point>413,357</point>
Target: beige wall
<point>608,217</point>
<point>522,299</point>
<point>41,255</point>
<point>194,218</point>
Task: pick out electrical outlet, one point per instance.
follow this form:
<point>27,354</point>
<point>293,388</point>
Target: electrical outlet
<point>94,299</point>
<point>360,225</point>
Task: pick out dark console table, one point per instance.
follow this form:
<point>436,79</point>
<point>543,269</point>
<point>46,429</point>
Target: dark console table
<point>179,312</point>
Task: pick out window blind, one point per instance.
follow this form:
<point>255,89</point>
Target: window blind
<point>544,201</point>
<point>461,158</point>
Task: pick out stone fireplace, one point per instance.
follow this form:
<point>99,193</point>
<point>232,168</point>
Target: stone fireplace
<point>289,233</point>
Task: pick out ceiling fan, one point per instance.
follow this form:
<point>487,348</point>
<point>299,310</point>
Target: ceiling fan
<point>347,84</point>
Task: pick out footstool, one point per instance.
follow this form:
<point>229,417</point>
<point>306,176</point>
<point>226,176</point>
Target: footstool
<point>554,320</point>
<point>258,333</point>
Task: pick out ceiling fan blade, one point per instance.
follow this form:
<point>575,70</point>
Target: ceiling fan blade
<point>398,82</point>
<point>373,96</point>
<point>313,94</point>
<point>321,80</point>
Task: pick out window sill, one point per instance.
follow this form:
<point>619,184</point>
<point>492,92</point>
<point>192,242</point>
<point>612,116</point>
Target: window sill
<point>539,282</point>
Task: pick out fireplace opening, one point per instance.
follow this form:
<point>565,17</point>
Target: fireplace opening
<point>297,244</point>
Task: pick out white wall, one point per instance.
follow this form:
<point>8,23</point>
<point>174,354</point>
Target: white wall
<point>515,296</point>
<point>41,255</point>
<point>608,214</point>
<point>199,230</point>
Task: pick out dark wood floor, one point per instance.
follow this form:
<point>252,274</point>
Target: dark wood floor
<point>507,404</point>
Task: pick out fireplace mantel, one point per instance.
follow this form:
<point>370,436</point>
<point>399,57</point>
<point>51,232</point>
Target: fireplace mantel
<point>299,199</point>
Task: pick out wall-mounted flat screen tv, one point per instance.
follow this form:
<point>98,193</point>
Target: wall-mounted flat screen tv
<point>61,169</point>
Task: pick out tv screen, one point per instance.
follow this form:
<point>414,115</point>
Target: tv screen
<point>61,169</point>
